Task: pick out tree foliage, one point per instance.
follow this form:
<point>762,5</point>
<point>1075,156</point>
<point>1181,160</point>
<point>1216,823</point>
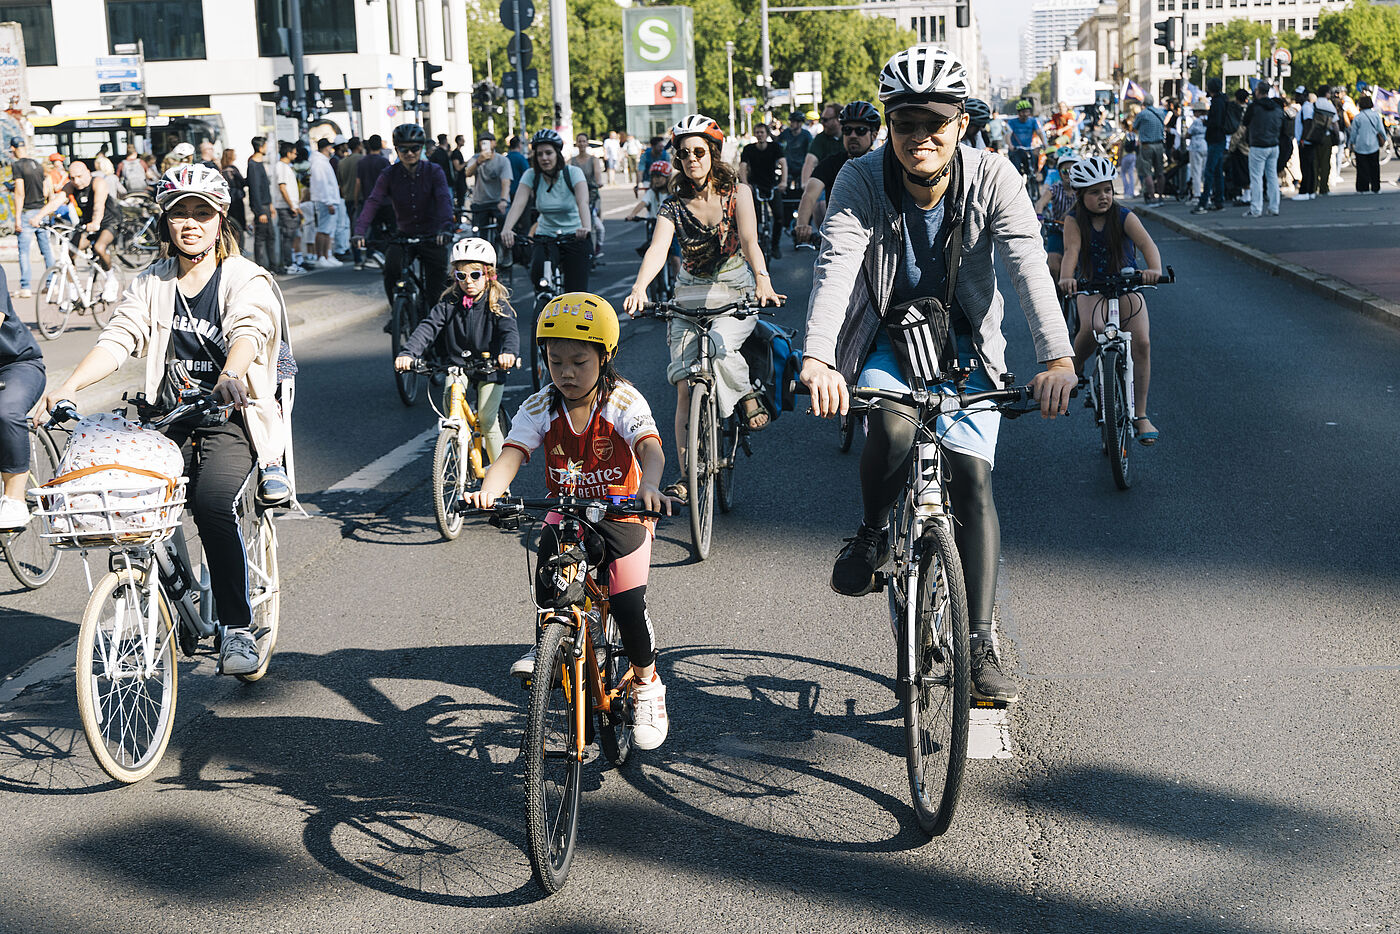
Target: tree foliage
<point>1038,89</point>
<point>1236,39</point>
<point>847,48</point>
<point>1358,43</point>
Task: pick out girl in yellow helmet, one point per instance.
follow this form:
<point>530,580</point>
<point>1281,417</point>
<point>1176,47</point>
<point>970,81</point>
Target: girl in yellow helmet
<point>600,440</point>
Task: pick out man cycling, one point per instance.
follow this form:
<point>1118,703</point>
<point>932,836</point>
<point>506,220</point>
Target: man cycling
<point>99,215</point>
<point>1025,139</point>
<point>763,167</point>
<point>900,219</point>
<point>860,122</point>
<point>422,202</point>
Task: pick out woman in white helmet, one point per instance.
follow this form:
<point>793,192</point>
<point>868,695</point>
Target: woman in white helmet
<point>472,320</point>
<point>712,215</point>
<point>912,227</point>
<point>205,311</point>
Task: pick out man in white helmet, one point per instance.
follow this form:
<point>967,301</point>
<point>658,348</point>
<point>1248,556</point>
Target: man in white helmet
<point>911,227</point>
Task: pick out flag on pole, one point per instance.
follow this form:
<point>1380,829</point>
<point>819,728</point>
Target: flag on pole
<point>1132,91</point>
<point>1192,94</point>
<point>1386,101</point>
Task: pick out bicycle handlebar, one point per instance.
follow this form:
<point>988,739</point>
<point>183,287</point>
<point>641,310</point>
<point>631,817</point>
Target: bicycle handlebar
<point>483,367</point>
<point>508,511</point>
<point>743,308</point>
<point>193,402</point>
<point>1119,283</point>
<point>1011,402</point>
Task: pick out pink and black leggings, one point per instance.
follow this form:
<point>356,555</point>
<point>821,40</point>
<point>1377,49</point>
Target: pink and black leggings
<point>624,550</point>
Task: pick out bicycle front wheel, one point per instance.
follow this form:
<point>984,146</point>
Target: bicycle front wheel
<point>614,730</point>
<point>448,485</point>
<point>54,300</point>
<point>539,370</point>
<point>402,321</point>
<point>126,675</point>
<point>729,455</point>
<point>265,593</point>
<point>100,309</point>
<point>32,559</point>
<point>935,682</point>
<point>701,445</point>
<point>1117,426</point>
<point>552,766</point>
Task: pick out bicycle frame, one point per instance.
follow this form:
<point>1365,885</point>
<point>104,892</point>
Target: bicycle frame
<point>1113,336</point>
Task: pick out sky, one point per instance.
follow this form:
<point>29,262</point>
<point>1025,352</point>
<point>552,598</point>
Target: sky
<point>1002,23</point>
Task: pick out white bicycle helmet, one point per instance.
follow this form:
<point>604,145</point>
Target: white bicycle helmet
<point>473,250</point>
<point>921,75</point>
<point>698,125</point>
<point>193,179</point>
<point>1092,171</point>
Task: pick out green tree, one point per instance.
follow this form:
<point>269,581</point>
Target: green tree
<point>1038,90</point>
<point>1358,43</point>
<point>1236,39</point>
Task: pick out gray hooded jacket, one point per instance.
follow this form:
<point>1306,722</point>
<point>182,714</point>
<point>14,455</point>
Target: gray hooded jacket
<point>863,243</point>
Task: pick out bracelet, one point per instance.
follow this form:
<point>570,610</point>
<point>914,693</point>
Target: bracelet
<point>231,375</point>
<point>763,274</point>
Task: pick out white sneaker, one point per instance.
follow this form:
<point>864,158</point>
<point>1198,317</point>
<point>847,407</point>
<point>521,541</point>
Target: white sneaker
<point>295,269</point>
<point>649,712</point>
<point>239,654</point>
<point>329,262</point>
<point>111,289</point>
<point>1301,198</point>
<point>524,666</point>
<point>14,513</point>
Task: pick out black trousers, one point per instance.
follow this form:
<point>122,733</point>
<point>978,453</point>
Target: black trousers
<point>1368,171</point>
<point>1308,184</point>
<point>573,257</point>
<point>24,386</point>
<point>262,242</point>
<point>433,259</point>
<point>289,228</point>
<point>219,462</point>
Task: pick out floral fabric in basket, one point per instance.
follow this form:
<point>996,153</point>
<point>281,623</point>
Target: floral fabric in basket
<point>138,468</point>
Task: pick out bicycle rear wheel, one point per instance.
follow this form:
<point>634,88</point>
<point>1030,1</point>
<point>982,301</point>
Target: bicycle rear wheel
<point>935,693</point>
<point>265,593</point>
<point>403,319</point>
<point>32,559</point>
<point>552,767</point>
<point>100,309</point>
<point>701,445</point>
<point>1117,427</point>
<point>54,299</point>
<point>615,730</point>
<point>127,707</point>
<point>729,454</point>
<point>448,485</point>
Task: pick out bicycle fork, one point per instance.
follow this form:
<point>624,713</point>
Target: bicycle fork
<point>1113,335</point>
<point>929,506</point>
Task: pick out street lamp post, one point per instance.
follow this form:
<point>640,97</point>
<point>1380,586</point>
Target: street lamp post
<point>729,54</point>
<point>765,64</point>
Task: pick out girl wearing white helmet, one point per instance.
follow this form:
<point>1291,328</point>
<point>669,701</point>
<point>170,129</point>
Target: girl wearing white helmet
<point>908,240</point>
<point>1100,237</point>
<point>560,193</point>
<point>473,319</point>
<point>1054,203</point>
<point>711,213</point>
<point>203,312</point>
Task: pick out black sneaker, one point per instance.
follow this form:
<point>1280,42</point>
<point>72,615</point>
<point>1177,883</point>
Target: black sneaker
<point>988,680</point>
<point>854,572</point>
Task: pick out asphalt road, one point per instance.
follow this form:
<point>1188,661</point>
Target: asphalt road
<point>1206,742</point>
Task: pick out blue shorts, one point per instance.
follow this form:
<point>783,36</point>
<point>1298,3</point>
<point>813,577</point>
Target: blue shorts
<point>973,433</point>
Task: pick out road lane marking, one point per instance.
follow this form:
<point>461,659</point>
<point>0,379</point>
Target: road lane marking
<point>55,663</point>
<point>989,735</point>
<point>377,471</point>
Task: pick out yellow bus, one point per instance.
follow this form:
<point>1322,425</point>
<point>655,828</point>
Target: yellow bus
<point>80,136</point>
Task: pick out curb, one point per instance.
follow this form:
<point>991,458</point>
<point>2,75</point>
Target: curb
<point>1344,293</point>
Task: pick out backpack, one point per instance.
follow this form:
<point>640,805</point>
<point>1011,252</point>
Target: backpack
<point>1318,126</point>
<point>773,365</point>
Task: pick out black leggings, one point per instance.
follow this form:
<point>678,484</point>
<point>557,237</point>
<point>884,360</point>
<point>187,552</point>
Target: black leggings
<point>885,463</point>
<point>219,462</point>
<point>573,260</point>
<point>614,542</point>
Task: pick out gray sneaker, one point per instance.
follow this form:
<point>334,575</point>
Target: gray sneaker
<point>239,655</point>
<point>524,666</point>
<point>988,680</point>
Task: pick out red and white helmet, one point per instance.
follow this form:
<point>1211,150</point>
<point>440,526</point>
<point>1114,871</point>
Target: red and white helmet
<point>193,179</point>
<point>923,73</point>
<point>1095,170</point>
<point>698,125</point>
<point>474,250</point>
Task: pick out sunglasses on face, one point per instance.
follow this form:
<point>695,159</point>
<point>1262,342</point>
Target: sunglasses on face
<point>202,215</point>
<point>696,154</point>
<point>409,148</point>
<point>855,131</point>
<point>906,126</point>
<point>461,276</point>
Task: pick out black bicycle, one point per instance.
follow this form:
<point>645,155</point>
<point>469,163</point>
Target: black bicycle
<point>764,199</point>
<point>407,308</point>
<point>549,286</point>
<point>662,287</point>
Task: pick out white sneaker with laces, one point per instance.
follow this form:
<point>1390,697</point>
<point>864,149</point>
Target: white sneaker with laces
<point>1301,198</point>
<point>111,289</point>
<point>524,666</point>
<point>239,654</point>
<point>650,723</point>
<point>14,513</point>
<point>329,262</point>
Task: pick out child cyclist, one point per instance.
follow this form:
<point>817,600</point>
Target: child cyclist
<point>472,319</point>
<point>1100,237</point>
<point>595,426</point>
<point>1055,203</point>
<point>648,208</point>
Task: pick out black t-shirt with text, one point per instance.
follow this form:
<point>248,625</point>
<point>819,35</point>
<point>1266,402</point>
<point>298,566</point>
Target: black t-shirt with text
<point>196,333</point>
<point>33,176</point>
<point>762,163</point>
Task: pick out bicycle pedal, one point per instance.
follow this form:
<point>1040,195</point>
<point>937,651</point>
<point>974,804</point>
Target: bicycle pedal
<point>986,703</point>
<point>882,580</point>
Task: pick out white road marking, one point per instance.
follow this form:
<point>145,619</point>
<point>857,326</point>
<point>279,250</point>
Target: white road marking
<point>377,471</point>
<point>57,662</point>
<point>618,212</point>
<point>989,735</point>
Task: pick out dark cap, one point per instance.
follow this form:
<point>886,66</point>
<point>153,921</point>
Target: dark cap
<point>16,141</point>
<point>797,115</point>
<point>942,108</point>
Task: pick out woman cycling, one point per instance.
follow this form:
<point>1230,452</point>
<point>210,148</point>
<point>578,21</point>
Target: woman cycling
<point>908,240</point>
<point>1099,240</point>
<point>21,385</point>
<point>560,193</point>
<point>204,309</point>
<point>713,216</point>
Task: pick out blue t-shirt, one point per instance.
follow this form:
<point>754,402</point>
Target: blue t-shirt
<point>519,165</point>
<point>1023,132</point>
<point>1150,125</point>
<point>556,204</point>
<point>921,271</point>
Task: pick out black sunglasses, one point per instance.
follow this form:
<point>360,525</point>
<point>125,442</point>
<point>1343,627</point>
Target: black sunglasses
<point>460,276</point>
<point>855,131</point>
<point>417,148</point>
<point>905,126</point>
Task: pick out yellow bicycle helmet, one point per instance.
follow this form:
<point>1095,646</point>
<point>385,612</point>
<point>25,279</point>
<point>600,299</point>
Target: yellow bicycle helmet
<point>579,316</point>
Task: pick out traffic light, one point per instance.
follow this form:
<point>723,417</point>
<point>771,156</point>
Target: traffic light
<point>481,94</point>
<point>286,107</point>
<point>430,84</point>
<point>1166,35</point>
<point>558,115</point>
<point>964,13</point>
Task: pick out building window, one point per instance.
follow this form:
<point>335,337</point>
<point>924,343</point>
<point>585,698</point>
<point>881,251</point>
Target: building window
<point>326,26</point>
<point>940,29</point>
<point>1293,24</point>
<point>1195,29</point>
<point>422,17</point>
<point>393,7</point>
<point>1161,6</point>
<point>1161,58</point>
<point>447,30</point>
<point>171,30</point>
<point>36,16</point>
